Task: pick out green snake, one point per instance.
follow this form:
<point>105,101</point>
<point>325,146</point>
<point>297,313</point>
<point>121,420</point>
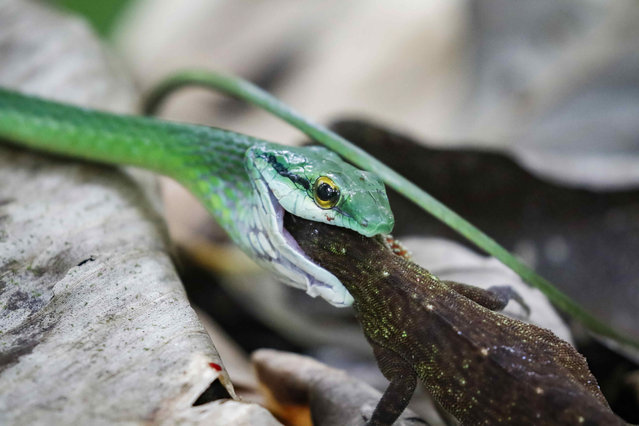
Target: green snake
<point>245,183</point>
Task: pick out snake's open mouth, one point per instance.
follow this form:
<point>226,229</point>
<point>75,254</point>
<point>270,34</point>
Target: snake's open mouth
<point>279,217</point>
<point>285,219</point>
<point>290,240</point>
<point>294,266</point>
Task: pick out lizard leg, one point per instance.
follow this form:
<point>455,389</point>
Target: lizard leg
<point>403,380</point>
<point>494,298</point>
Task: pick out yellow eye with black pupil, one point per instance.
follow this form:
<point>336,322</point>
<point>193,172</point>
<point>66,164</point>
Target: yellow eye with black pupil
<point>326,193</point>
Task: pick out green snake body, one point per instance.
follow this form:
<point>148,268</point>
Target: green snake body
<point>244,182</point>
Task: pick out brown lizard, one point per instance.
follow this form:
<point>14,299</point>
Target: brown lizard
<point>481,366</point>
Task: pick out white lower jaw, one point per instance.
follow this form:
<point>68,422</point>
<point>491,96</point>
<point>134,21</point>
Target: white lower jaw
<point>294,266</point>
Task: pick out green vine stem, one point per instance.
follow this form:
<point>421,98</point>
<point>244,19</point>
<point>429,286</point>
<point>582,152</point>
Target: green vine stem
<point>248,92</point>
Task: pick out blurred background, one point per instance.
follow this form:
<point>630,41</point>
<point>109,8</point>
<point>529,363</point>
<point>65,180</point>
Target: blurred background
<point>522,116</point>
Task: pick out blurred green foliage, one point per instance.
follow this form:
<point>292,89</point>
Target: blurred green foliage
<point>102,14</point>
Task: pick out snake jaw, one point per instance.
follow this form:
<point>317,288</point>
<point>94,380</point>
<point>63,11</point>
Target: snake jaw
<point>273,247</point>
<point>286,179</point>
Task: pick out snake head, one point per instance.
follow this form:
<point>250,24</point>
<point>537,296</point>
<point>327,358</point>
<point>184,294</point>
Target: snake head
<point>314,183</point>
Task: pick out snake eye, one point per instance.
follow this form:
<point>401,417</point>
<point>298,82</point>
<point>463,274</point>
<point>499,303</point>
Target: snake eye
<point>326,193</point>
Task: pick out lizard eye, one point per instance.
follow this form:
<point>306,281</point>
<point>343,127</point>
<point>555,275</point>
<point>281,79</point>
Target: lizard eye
<point>325,192</point>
